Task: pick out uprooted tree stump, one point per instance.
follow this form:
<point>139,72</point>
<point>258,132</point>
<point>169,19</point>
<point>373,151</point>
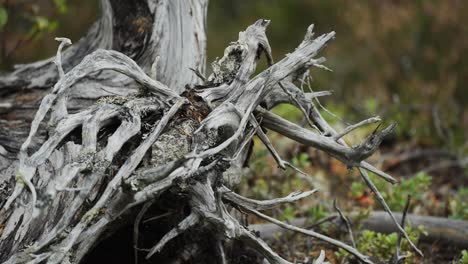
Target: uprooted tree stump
<point>128,124</point>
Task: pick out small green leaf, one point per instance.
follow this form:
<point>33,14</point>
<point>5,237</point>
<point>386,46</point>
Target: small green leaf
<point>3,17</point>
<point>392,238</point>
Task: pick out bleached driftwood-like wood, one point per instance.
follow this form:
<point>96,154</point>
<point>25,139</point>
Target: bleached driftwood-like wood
<point>264,205</point>
<point>130,118</point>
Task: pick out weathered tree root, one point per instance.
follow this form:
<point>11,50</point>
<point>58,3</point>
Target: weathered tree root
<point>79,184</point>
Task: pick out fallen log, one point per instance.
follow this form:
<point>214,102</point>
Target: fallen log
<point>439,229</point>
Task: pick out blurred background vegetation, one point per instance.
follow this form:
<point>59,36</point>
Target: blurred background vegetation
<point>406,61</point>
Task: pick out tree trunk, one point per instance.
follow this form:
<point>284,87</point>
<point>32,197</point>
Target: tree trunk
<point>174,31</point>
<point>125,125</point>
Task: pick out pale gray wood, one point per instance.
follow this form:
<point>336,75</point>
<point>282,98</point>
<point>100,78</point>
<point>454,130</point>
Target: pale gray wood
<point>151,123</point>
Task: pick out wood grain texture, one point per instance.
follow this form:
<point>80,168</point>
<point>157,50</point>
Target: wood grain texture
<point>85,136</point>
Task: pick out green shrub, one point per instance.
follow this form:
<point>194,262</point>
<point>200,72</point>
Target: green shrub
<point>382,246</point>
<point>316,213</point>
<point>463,259</point>
<point>416,186</point>
<point>459,205</point>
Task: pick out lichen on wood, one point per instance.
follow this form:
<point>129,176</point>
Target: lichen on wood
<point>153,127</point>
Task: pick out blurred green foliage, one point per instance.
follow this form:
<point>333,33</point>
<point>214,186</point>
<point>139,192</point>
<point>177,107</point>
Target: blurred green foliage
<point>28,27</point>
<point>22,23</point>
<point>459,204</point>
<point>382,246</point>
<point>416,186</point>
<point>288,111</point>
<point>40,25</point>
<point>406,61</point>
<point>61,6</point>
<point>288,213</point>
<point>260,189</point>
<point>315,213</point>
<point>463,259</point>
<point>403,60</point>
<point>3,17</point>
<point>301,161</point>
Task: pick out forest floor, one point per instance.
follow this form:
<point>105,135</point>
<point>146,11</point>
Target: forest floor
<point>435,178</point>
